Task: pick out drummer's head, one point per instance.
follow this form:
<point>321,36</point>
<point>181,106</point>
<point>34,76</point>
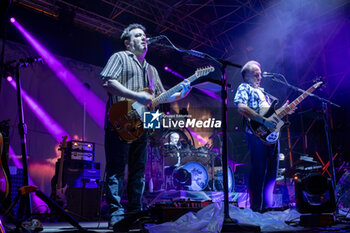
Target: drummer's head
<point>174,138</point>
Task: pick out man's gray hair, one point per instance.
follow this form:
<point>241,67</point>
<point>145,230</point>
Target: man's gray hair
<point>126,33</point>
<point>248,66</point>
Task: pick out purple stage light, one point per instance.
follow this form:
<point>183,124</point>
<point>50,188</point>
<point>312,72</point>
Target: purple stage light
<point>208,93</point>
<point>174,72</point>
<point>12,20</point>
<point>56,131</point>
<point>96,107</point>
<point>14,158</point>
<point>9,78</point>
<point>198,137</point>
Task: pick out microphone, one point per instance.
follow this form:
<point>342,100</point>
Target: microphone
<point>269,75</point>
<point>153,39</point>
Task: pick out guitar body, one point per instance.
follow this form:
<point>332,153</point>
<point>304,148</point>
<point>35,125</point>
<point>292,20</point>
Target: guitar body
<point>4,183</point>
<point>60,196</point>
<point>262,131</point>
<point>59,192</point>
<point>126,118</point>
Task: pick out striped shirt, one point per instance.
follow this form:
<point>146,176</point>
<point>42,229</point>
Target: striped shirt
<point>127,70</point>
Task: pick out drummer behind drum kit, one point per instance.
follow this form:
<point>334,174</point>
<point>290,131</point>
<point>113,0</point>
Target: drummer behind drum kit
<point>188,168</point>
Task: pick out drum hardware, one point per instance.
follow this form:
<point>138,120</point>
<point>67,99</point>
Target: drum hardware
<point>188,168</point>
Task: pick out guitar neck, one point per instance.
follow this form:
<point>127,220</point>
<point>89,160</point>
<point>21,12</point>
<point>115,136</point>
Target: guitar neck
<point>296,102</point>
<point>164,96</point>
<point>60,172</point>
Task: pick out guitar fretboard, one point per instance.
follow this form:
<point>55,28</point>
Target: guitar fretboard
<point>164,96</point>
<point>298,100</point>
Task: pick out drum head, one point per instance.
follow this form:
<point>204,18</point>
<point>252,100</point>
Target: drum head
<point>199,176</point>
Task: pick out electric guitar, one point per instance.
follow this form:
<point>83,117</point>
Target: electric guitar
<point>127,116</point>
<point>4,183</point>
<point>263,132</point>
<point>60,194</point>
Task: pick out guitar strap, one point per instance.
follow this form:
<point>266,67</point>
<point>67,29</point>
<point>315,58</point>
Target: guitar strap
<point>149,77</point>
<point>273,98</point>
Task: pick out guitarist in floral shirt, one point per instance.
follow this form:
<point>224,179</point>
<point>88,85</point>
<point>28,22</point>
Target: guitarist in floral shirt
<point>251,101</point>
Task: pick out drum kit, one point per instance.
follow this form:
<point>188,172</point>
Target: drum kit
<point>188,168</point>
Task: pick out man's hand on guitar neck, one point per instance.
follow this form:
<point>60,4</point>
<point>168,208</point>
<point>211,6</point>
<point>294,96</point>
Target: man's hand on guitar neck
<point>185,89</point>
<point>285,105</point>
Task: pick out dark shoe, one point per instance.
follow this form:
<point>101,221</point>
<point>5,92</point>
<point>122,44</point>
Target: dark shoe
<point>32,226</point>
<point>121,226</point>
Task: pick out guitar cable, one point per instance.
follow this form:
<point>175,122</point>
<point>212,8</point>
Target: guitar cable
<point>101,196</point>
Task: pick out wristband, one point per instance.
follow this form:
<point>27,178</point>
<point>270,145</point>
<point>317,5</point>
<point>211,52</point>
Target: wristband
<point>263,121</point>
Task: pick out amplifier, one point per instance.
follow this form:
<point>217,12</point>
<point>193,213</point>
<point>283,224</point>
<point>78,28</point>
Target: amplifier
<point>80,173</point>
<point>78,155</point>
<point>75,145</point>
<point>16,182</point>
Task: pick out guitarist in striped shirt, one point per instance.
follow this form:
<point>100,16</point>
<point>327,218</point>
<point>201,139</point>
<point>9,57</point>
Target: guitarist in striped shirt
<point>124,76</point>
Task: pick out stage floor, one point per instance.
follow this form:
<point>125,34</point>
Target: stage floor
<point>95,227</point>
<point>103,227</point>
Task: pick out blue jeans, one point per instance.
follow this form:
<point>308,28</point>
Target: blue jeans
<point>262,177</point>
<point>118,154</point>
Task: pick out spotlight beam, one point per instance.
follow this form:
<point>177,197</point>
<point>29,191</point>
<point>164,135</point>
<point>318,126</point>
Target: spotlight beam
<point>50,124</point>
<point>96,106</point>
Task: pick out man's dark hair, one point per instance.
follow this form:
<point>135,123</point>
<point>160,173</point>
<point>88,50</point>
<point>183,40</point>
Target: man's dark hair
<point>126,33</point>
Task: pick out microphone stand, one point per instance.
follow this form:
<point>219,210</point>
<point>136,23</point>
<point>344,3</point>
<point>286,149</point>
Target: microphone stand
<point>229,224</point>
<point>23,196</point>
<point>325,122</point>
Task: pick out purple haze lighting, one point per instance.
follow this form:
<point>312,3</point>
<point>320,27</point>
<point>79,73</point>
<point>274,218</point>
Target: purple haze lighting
<point>268,195</point>
<point>9,78</point>
<point>96,107</point>
<point>211,94</point>
<point>198,137</point>
<point>174,72</point>
<point>56,131</point>
<point>14,158</point>
<point>12,20</point>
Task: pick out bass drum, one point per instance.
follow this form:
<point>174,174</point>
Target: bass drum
<point>199,176</point>
<point>217,181</point>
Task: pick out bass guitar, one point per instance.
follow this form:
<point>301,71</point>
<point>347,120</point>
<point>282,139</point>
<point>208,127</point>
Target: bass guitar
<point>127,116</point>
<point>59,194</point>
<point>264,133</point>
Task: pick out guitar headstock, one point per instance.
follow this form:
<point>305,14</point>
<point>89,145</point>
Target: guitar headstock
<point>318,82</point>
<point>63,144</point>
<point>204,71</point>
